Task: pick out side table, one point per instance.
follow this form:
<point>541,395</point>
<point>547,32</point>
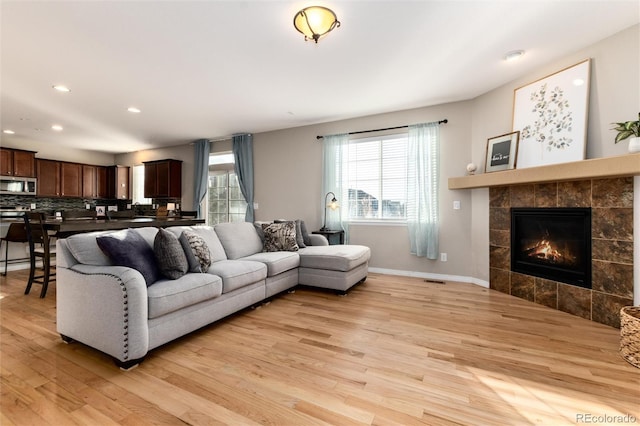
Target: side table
<point>334,237</point>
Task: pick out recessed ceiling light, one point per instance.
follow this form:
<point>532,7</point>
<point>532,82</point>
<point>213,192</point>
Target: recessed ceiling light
<point>61,88</point>
<point>513,55</point>
<point>57,128</point>
<point>9,132</point>
<point>134,110</point>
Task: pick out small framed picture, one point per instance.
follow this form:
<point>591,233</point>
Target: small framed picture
<point>501,152</point>
<point>100,210</point>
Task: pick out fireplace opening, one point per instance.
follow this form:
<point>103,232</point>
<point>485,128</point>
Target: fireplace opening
<point>552,243</point>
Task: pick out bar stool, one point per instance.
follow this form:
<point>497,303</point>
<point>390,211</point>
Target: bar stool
<point>39,247</point>
<point>17,233</point>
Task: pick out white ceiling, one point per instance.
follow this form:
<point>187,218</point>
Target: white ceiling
<point>213,68</point>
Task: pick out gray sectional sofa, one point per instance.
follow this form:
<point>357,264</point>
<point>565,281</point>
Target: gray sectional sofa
<point>116,310</point>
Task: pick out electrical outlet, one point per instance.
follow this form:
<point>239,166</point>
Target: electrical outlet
<point>255,206</point>
<point>33,206</point>
<point>456,205</point>
<point>443,257</point>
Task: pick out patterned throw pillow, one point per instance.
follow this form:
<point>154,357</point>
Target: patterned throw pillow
<point>171,258</point>
<point>199,249</point>
<point>299,235</point>
<point>280,237</point>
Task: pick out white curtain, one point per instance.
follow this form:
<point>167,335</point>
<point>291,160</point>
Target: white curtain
<point>423,173</point>
<point>333,166</point>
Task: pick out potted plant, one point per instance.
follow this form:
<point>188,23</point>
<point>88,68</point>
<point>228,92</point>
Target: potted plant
<point>629,129</point>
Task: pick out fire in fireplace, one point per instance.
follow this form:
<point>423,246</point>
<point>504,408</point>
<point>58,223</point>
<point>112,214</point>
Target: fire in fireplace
<point>552,243</point>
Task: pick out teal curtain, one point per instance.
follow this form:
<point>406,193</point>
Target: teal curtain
<point>334,169</point>
<point>423,175</point>
<point>201,173</point>
<point>243,155</point>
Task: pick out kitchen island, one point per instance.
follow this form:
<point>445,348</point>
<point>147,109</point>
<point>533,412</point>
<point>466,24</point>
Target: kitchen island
<point>65,228</point>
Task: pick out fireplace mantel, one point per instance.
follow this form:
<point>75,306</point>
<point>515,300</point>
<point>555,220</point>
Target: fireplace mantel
<point>609,167</point>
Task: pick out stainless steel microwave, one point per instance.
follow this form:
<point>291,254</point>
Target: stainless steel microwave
<point>17,185</point>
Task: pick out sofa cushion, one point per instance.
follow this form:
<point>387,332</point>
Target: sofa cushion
<point>280,236</point>
<point>128,248</point>
<point>277,261</point>
<point>336,257</point>
<point>170,256</point>
<point>84,248</point>
<point>166,296</point>
<point>239,239</point>
<point>198,248</point>
<point>305,234</point>
<point>238,273</point>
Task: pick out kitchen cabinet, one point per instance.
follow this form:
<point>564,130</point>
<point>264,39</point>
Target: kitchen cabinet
<point>118,182</point>
<point>163,179</point>
<point>94,182</point>
<point>89,183</point>
<point>70,179</point>
<point>17,162</point>
<point>102,182</point>
<point>48,174</point>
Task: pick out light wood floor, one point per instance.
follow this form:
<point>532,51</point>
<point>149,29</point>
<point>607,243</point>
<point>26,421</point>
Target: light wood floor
<point>395,351</point>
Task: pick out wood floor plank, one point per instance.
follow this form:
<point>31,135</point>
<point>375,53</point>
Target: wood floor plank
<point>394,351</point>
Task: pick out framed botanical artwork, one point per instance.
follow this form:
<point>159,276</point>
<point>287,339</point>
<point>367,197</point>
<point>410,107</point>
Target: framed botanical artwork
<point>551,115</point>
<point>502,152</point>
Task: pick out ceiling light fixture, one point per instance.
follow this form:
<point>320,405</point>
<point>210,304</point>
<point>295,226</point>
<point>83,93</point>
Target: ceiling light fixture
<point>315,21</point>
<point>513,55</point>
<point>61,88</point>
<point>9,132</point>
<point>57,128</point>
<point>134,110</point>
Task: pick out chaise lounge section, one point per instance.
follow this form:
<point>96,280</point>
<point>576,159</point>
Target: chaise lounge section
<point>116,310</point>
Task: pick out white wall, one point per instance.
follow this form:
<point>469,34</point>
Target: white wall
<point>53,152</point>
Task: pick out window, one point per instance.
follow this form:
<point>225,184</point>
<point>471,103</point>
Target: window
<point>138,186</point>
<point>376,178</point>
<point>225,200</point>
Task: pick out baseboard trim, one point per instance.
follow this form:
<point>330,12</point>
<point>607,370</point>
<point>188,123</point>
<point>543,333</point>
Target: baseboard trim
<point>426,275</point>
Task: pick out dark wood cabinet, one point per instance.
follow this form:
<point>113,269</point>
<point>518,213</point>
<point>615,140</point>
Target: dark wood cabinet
<point>89,183</point>
<point>118,182</point>
<point>17,162</point>
<point>64,179</point>
<point>163,179</point>
<point>70,179</point>
<point>102,182</point>
<point>150,180</point>
<point>48,173</point>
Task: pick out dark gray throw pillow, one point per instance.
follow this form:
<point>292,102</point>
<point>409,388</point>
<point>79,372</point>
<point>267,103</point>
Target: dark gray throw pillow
<point>194,262</point>
<point>170,256</point>
<point>128,248</point>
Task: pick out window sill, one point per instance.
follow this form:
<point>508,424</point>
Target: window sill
<point>377,222</point>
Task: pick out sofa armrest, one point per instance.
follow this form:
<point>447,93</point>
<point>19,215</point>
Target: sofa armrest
<point>104,307</point>
<point>318,240</point>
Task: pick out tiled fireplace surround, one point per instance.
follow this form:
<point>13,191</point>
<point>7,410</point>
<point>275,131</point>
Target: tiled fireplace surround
<point>611,201</point>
